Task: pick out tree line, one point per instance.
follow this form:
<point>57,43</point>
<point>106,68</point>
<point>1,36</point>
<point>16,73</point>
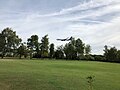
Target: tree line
<point>11,45</point>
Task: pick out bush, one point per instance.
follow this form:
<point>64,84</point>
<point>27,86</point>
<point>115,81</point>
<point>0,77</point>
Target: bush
<point>99,57</point>
<point>85,57</point>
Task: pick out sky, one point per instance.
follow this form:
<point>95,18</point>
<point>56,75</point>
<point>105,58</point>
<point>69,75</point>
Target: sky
<point>95,22</point>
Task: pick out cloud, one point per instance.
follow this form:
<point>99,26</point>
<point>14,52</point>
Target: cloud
<point>96,22</point>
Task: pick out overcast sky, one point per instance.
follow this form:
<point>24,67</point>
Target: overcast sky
<point>96,22</point>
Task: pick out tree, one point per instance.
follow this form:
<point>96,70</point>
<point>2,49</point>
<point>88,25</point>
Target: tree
<point>118,55</point>
<point>52,50</point>
<point>70,51</point>
<point>33,45</point>
<point>87,49</point>
<point>79,47</point>
<point>106,52</point>
<point>59,54</point>
<point>11,41</point>
<point>110,54</point>
<point>2,45</point>
<point>74,49</point>
<point>22,51</point>
<point>44,46</point>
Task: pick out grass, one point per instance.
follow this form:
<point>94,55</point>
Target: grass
<point>57,75</point>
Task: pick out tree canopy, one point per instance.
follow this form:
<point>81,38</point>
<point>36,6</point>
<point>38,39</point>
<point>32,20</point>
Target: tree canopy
<point>9,42</point>
<point>11,45</point>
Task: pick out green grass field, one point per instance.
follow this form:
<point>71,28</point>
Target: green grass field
<point>57,75</point>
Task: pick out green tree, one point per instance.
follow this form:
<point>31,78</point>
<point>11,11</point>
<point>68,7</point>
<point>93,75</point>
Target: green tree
<point>44,46</point>
<point>11,41</point>
<point>110,54</point>
<point>74,49</point>
<point>87,49</point>
<point>2,45</point>
<point>52,50</point>
<point>33,45</point>
<point>22,51</point>
<point>106,52</point>
<point>79,47</point>
<point>59,53</point>
<point>70,51</point>
<point>118,55</point>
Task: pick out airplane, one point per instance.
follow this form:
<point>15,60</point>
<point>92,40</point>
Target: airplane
<point>70,38</point>
<point>66,39</point>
